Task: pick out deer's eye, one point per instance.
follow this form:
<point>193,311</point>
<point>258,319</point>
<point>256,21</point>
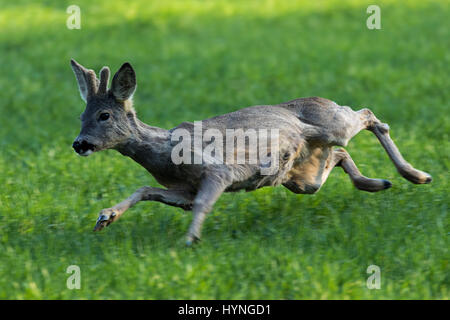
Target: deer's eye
<point>104,116</point>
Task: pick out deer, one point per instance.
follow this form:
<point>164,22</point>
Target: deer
<point>311,135</point>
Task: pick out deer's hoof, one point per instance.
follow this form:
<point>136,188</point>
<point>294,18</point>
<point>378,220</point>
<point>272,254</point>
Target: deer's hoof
<point>414,175</point>
<point>106,217</point>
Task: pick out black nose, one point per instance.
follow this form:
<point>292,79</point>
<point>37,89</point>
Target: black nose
<point>76,146</point>
<point>82,146</point>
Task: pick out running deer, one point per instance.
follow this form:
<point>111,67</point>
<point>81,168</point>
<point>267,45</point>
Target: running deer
<point>308,129</point>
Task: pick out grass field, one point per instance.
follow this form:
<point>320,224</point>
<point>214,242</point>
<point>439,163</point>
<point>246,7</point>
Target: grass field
<point>197,59</point>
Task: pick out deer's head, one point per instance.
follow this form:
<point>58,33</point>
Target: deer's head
<point>107,121</point>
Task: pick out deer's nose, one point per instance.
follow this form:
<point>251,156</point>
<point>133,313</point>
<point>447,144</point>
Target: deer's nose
<point>82,146</point>
<point>76,146</point>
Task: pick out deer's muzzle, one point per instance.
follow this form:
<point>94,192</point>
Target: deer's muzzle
<point>83,148</point>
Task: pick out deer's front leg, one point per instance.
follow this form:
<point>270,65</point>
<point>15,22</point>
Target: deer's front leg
<point>176,198</point>
<point>208,193</point>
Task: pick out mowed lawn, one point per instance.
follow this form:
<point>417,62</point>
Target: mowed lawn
<point>194,60</point>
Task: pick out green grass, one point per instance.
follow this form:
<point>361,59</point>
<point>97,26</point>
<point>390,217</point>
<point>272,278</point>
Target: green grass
<point>197,59</point>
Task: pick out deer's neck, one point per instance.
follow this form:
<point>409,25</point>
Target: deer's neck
<point>149,146</point>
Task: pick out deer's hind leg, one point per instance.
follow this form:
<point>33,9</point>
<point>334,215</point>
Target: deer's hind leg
<point>347,123</point>
<point>309,177</point>
<point>343,159</point>
<point>381,131</point>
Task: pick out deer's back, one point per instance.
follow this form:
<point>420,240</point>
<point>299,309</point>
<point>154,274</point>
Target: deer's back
<point>299,123</point>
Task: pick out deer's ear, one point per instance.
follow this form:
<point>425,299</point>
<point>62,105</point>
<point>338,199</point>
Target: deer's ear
<point>124,82</point>
<point>80,74</point>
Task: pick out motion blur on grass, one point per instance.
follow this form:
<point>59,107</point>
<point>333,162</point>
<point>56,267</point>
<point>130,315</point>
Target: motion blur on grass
<point>197,59</point>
